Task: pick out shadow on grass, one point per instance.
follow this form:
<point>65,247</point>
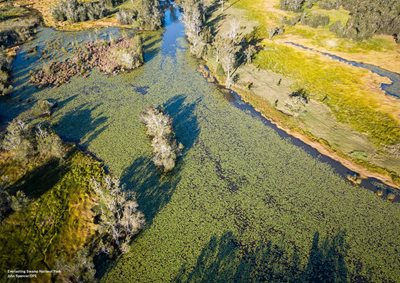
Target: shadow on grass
<point>224,259</point>
<point>37,182</point>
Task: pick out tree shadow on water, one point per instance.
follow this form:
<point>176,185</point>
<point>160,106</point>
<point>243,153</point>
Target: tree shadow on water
<point>185,124</point>
<point>151,47</point>
<point>80,125</point>
<point>225,259</point>
<point>153,189</point>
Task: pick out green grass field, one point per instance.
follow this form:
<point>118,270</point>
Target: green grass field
<point>58,222</point>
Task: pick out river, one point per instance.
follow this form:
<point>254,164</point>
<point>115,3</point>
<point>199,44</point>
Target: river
<point>238,173</point>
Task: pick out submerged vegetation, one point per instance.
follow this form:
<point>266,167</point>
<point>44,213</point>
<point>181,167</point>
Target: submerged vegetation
<point>244,205</point>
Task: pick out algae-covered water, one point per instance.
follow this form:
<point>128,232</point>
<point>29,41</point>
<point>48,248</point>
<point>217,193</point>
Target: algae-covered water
<point>242,205</point>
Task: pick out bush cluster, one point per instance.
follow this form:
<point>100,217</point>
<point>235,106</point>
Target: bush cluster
<point>368,17</point>
<point>330,4</point>
<point>149,15</point>
<point>315,20</point>
<point>159,127</point>
<point>5,86</point>
<point>23,141</point>
<point>127,16</point>
<point>292,5</point>
<point>111,57</point>
<point>74,11</point>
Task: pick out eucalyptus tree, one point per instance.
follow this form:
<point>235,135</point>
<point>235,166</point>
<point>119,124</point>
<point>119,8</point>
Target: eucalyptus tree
<point>194,21</point>
<point>149,15</point>
<point>227,47</point>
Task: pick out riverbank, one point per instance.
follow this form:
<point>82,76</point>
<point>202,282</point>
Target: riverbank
<point>278,119</point>
<point>239,190</point>
<point>335,133</point>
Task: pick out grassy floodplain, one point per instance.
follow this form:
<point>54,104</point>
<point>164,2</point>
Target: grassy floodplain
<point>348,97</point>
<point>242,204</point>
<point>59,220</point>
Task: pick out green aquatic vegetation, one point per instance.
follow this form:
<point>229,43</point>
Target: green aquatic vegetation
<point>236,176</point>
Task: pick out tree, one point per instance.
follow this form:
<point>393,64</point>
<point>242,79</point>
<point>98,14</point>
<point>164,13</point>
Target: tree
<point>222,4</point>
<point>17,140</point>
<point>119,213</point>
<point>193,19</point>
<point>149,15</point>
<point>165,148</point>
<point>227,49</point>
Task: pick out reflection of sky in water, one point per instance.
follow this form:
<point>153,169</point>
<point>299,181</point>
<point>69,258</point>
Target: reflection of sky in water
<point>152,76</point>
<point>174,30</point>
<point>48,45</point>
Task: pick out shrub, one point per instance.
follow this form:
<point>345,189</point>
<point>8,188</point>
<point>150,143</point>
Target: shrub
<point>315,20</point>
<point>291,21</point>
<point>20,201</point>
<point>149,15</point>
<point>337,28</point>
<point>48,144</point>
<point>17,140</point>
<point>292,5</point>
<point>159,127</point>
<point>301,94</point>
<point>74,11</point>
<point>127,16</point>
<point>330,4</point>
<point>276,31</point>
<point>120,217</point>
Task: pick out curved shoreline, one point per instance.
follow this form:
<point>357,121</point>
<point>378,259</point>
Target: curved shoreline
<point>352,166</point>
<point>364,173</point>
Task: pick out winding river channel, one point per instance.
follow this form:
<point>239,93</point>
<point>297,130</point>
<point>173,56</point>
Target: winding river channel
<point>239,173</point>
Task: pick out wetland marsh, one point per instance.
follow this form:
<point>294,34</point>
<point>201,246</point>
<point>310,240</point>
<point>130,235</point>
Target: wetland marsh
<point>245,203</point>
